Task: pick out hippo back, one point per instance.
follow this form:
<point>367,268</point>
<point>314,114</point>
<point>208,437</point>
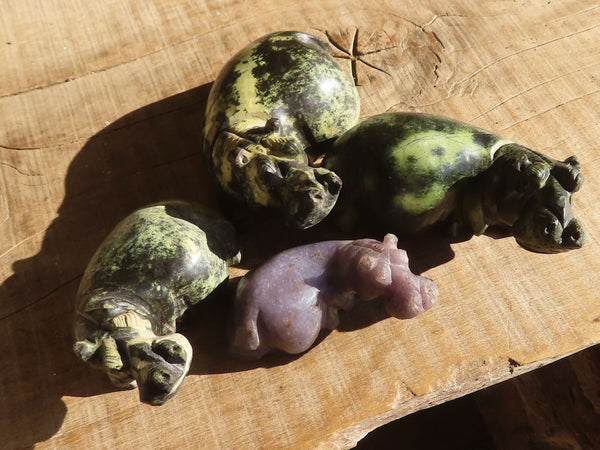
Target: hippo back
<point>158,261</point>
<point>290,76</point>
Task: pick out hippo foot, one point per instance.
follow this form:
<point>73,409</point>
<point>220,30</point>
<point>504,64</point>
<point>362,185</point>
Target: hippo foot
<point>271,137</point>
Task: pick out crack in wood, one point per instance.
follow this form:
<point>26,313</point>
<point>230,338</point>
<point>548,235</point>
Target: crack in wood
<point>517,53</point>
<point>111,128</point>
<point>19,171</point>
<point>6,147</point>
<point>531,88</point>
<point>354,55</point>
<point>42,298</point>
<point>560,105</point>
<point>96,71</point>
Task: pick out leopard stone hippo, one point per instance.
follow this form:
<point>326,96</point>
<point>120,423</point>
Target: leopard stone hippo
<point>405,172</point>
<point>275,98</point>
<point>285,302</point>
<point>157,262</point>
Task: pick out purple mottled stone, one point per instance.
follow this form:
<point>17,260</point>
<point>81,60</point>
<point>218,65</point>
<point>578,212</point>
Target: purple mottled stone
<point>284,303</point>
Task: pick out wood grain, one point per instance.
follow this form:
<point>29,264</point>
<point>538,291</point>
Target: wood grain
<point>101,107</point>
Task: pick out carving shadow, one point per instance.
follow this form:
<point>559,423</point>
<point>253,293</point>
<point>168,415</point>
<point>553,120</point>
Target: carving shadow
<point>149,155</point>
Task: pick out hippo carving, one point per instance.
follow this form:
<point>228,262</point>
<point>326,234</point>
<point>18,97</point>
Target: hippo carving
<point>284,303</point>
<point>273,100</point>
<point>406,172</point>
<point>156,263</point>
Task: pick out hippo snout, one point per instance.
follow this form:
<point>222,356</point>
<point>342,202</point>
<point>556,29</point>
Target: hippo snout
<point>543,232</point>
<point>161,384</point>
<point>310,195</point>
<point>408,300</point>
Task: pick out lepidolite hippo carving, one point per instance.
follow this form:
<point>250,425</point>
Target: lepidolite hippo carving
<point>275,98</point>
<point>284,303</point>
<point>156,263</point>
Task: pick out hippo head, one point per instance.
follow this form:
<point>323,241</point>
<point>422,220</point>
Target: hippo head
<point>264,167</point>
<point>383,270</point>
<point>546,223</point>
<point>309,194</point>
<point>159,365</point>
<point>408,295</point>
<point>305,194</point>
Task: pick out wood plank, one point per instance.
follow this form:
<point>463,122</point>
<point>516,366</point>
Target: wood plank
<point>101,107</point>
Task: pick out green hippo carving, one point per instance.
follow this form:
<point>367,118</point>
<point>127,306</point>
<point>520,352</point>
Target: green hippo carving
<point>404,172</point>
<point>157,262</point>
<point>275,98</point>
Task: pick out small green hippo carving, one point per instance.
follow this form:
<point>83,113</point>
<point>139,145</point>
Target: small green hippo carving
<point>157,262</point>
<point>275,98</point>
<point>404,172</point>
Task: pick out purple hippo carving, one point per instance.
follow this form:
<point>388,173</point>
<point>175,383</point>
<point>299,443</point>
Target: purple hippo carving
<point>283,304</point>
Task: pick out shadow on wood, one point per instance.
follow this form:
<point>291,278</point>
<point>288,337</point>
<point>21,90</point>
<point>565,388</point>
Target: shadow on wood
<point>149,155</point>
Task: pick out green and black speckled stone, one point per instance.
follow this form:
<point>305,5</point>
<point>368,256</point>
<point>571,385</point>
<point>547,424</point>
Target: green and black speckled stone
<point>287,75</point>
<point>398,168</point>
<point>157,262</point>
<point>405,172</point>
<point>271,104</point>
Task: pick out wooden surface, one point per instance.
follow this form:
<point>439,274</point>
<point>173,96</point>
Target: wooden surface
<point>101,106</point>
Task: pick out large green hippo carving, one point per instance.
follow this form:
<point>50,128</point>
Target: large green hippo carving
<point>275,98</point>
<point>403,172</point>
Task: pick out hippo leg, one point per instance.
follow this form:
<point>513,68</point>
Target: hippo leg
<point>293,328</point>
<point>297,335</point>
<point>270,137</point>
<point>331,318</point>
<point>409,295</point>
<point>103,353</point>
<point>331,301</point>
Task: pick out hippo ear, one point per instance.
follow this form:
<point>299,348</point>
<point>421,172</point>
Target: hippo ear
<point>390,240</point>
<point>568,174</point>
